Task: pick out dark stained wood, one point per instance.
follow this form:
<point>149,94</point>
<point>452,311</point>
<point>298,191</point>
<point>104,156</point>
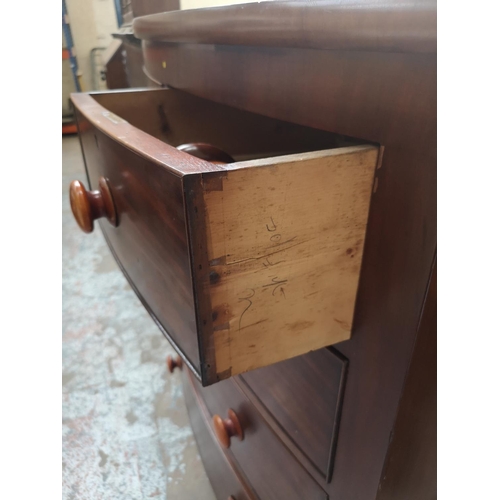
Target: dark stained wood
<point>304,396</point>
<point>392,26</point>
<point>126,67</point>
<point>126,135</point>
<point>411,465</point>
<point>226,428</point>
<point>134,63</point>
<point>388,98</point>
<point>113,61</point>
<point>178,118</point>
<point>224,474</point>
<point>145,7</point>
<point>374,79</point>
<point>150,241</point>
<point>316,81</point>
<point>174,362</point>
<point>261,456</point>
<point>372,94</point>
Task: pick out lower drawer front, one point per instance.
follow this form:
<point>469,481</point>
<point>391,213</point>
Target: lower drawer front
<point>270,468</point>
<point>223,478</point>
<point>304,395</point>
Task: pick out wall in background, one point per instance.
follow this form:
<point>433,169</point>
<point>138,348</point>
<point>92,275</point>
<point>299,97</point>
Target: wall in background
<point>91,22</point>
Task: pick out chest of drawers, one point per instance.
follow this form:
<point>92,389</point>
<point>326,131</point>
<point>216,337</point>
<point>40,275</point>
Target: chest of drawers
<point>327,113</point>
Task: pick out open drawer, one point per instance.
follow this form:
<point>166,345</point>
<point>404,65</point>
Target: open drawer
<point>241,264</point>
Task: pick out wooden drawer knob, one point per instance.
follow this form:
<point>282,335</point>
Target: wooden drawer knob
<point>173,363</point>
<point>225,429</point>
<point>88,206</point>
<point>206,152</point>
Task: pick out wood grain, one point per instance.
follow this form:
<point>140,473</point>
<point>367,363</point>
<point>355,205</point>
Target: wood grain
<point>376,80</point>
<point>285,244</point>
<point>150,243</point>
<point>411,464</point>
<point>176,118</point>
<point>392,25</point>
<point>261,455</point>
<point>303,398</point>
<point>387,98</point>
<point>224,474</point>
<point>303,215</point>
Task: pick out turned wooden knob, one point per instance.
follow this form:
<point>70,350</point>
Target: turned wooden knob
<point>225,429</point>
<point>206,152</point>
<point>173,363</point>
<point>88,206</point>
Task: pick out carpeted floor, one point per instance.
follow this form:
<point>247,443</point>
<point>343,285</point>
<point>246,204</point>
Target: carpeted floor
<point>126,433</point>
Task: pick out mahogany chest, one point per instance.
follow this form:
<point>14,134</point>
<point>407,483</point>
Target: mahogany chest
<point>271,199</point>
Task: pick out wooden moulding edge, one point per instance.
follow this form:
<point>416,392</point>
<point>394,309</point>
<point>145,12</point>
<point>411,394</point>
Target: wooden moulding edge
<point>195,210</point>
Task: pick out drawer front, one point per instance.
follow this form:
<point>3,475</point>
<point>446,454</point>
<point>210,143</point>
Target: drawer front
<point>270,468</point>
<point>226,482</point>
<point>304,396</point>
<point>149,242</point>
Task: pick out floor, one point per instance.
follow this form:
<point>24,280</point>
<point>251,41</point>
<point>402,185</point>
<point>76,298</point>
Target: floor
<point>126,432</point>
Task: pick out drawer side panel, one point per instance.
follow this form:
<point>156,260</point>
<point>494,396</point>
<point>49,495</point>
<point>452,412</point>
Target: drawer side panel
<point>285,240</point>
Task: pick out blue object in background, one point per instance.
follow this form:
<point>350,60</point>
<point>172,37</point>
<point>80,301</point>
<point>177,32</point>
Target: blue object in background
<point>69,46</point>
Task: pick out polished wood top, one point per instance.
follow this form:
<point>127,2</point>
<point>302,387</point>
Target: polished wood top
<point>391,25</point>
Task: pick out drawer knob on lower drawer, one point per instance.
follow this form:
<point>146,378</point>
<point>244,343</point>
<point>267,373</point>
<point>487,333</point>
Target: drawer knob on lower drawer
<point>88,206</point>
<point>173,363</point>
<point>225,429</point>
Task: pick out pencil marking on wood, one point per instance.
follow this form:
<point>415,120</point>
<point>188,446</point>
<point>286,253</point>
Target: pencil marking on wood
<point>292,257</point>
<point>248,299</point>
<point>268,263</point>
<point>272,228</point>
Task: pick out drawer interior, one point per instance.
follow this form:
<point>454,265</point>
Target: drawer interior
<point>177,118</point>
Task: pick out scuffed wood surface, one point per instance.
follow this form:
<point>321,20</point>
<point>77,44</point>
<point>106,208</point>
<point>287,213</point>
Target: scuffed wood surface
<point>125,429</point>
<point>285,244</point>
